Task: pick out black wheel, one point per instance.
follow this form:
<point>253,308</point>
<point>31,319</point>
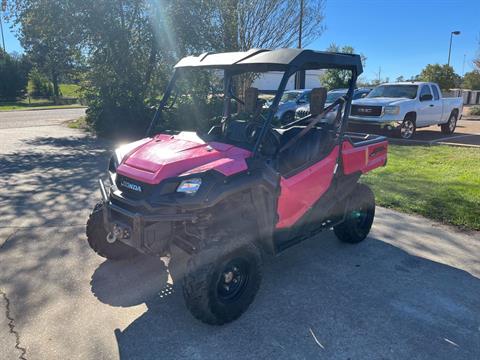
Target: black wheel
<point>450,126</point>
<point>221,281</point>
<point>359,217</point>
<point>97,238</point>
<point>407,128</point>
<point>287,118</point>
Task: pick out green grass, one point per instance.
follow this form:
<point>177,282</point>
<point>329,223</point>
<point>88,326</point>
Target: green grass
<point>80,123</point>
<point>475,110</point>
<point>70,90</point>
<point>439,182</point>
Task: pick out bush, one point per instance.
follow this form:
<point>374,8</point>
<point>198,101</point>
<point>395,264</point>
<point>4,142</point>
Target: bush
<point>39,86</point>
<point>475,110</point>
<point>118,120</point>
<point>191,114</point>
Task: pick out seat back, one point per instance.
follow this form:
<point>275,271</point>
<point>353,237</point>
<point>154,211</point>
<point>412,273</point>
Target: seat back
<point>251,100</point>
<point>318,96</point>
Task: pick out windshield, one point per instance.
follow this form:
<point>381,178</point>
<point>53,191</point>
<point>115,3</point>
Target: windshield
<point>333,96</point>
<point>290,96</point>
<point>394,91</point>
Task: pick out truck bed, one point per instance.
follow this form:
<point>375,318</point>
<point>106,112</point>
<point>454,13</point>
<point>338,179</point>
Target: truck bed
<point>363,152</point>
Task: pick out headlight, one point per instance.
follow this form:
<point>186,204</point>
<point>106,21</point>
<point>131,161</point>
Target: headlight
<point>189,186</point>
<point>392,110</point>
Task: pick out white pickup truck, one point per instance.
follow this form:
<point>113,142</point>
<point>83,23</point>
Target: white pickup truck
<point>406,106</point>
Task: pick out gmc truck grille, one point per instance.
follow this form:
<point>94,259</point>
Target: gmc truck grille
<point>363,110</point>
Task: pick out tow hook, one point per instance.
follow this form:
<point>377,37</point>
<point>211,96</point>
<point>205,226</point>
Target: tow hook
<point>118,232</point>
<point>111,238</point>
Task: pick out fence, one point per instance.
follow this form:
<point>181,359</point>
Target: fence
<point>470,97</point>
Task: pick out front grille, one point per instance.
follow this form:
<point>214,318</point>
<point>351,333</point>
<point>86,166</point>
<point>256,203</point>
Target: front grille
<point>302,113</point>
<point>364,110</point>
<point>117,216</point>
<point>130,193</point>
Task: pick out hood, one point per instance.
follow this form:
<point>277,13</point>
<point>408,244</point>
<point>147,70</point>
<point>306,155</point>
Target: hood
<point>380,101</point>
<point>167,156</point>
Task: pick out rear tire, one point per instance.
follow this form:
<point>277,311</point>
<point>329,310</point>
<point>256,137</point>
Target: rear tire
<point>359,217</point>
<point>97,238</point>
<point>451,124</point>
<point>222,279</point>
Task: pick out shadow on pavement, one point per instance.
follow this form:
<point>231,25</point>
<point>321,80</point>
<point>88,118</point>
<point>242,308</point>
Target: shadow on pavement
<point>51,181</point>
<point>367,301</point>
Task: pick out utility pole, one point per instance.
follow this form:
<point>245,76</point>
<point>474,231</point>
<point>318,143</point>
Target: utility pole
<point>1,30</point>
<point>300,75</point>
<point>463,66</point>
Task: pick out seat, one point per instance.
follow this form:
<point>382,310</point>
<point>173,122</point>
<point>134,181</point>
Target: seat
<point>313,145</point>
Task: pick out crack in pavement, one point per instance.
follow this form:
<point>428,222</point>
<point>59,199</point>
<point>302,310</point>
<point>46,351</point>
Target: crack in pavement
<point>11,325</point>
<point>8,238</point>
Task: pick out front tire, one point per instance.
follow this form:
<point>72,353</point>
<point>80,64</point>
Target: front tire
<point>97,238</point>
<point>450,126</point>
<point>222,281</point>
<point>288,117</point>
<point>359,216</point>
<point>407,128</point>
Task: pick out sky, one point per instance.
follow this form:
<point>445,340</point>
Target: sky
<point>399,37</point>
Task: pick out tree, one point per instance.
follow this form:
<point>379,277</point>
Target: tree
<point>471,80</point>
<point>443,75</point>
<point>336,79</point>
<point>123,59</point>
<point>400,78</point>
<point>49,36</point>
<point>275,23</point>
<point>14,70</point>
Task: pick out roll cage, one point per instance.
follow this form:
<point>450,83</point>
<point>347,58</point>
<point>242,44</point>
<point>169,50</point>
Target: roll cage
<point>288,61</point>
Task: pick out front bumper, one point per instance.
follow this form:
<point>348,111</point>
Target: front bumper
<point>366,124</point>
<point>135,224</point>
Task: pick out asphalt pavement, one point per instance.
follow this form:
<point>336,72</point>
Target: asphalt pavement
<point>411,290</point>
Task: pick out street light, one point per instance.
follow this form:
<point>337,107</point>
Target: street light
<point>450,48</point>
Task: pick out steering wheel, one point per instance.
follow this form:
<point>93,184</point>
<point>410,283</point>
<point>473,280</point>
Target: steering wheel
<point>271,141</point>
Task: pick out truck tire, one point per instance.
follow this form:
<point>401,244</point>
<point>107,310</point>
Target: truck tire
<point>97,238</point>
<point>222,279</point>
<point>451,124</point>
<point>359,216</point>
<point>407,128</point>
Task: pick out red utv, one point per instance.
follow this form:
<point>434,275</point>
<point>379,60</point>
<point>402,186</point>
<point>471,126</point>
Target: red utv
<point>245,188</point>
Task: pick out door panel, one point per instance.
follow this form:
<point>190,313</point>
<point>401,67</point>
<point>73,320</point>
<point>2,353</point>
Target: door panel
<point>438,105</point>
<point>426,109</point>
<point>299,192</point>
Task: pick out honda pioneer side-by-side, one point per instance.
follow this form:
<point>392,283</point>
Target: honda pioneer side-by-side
<point>246,188</point>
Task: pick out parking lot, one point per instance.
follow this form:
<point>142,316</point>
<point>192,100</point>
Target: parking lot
<point>411,290</point>
<point>467,133</point>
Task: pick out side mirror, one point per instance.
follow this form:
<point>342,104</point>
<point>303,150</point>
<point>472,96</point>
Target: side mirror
<point>426,97</point>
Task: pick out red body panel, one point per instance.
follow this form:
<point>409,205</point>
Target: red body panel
<point>363,158</point>
<point>301,191</point>
<point>167,156</point>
